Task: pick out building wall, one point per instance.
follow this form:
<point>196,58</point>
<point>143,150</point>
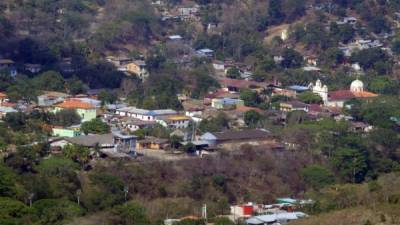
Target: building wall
<point>61,132</point>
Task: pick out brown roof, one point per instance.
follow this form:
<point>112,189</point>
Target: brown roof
<point>243,109</point>
<point>347,94</point>
<point>75,104</point>
<point>6,61</point>
<point>243,134</point>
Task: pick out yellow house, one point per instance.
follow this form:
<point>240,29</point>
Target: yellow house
<point>138,67</point>
<point>85,110</point>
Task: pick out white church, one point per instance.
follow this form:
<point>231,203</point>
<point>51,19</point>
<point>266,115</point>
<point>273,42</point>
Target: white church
<point>339,97</point>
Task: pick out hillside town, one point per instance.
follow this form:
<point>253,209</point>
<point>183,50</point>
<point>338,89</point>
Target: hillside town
<point>200,112</point>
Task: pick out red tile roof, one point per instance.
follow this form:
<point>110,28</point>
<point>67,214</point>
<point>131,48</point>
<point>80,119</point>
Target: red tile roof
<point>3,95</point>
<point>242,108</point>
<point>347,94</point>
<point>75,104</point>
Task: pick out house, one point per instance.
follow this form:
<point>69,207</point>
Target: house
<point>218,65</point>
<point>284,92</point>
<point>277,218</point>
<point>233,138</point>
<point>144,114</point>
<point>152,143</point>
<point>3,98</point>
<point>94,102</point>
<point>175,38</point>
<point>5,110</point>
<point>119,62</point>
<point>339,97</point>
<point>9,65</point>
<point>293,106</point>
<point>73,131</point>
<point>33,68</point>
<point>360,127</point>
<point>205,52</point>
<point>49,98</point>
<point>226,103</point>
<point>138,67</point>
<point>86,111</point>
<point>188,11</point>
<point>242,211</point>
<point>174,121</point>
<point>133,124</point>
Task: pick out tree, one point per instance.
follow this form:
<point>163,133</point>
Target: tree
<point>95,126</point>
<point>396,46</point>
<point>233,73</point>
<point>77,153</point>
<point>49,81</point>
<point>7,182</point>
<point>175,141</point>
<point>373,58</point>
<point>250,97</point>
<point>316,176</point>
<point>350,163</point>
<point>56,211</point>
<point>291,58</point>
<point>332,57</point>
<point>310,98</point>
<point>14,212</point>
<point>252,117</point>
<point>66,117</point>
<point>275,12</point>
<point>131,214</point>
<point>107,97</point>
<point>222,221</point>
<point>189,148</point>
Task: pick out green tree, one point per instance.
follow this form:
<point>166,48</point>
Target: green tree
<point>350,163</point>
<point>107,97</point>
<point>310,98</point>
<point>15,212</point>
<point>7,182</point>
<point>317,177</point>
<point>250,97</point>
<point>66,117</point>
<point>252,118</point>
<point>56,211</point>
<point>233,73</point>
<point>291,58</point>
<point>49,81</point>
<point>95,126</point>
<point>131,214</point>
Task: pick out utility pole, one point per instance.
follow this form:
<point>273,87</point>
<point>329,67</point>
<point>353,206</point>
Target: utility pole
<point>30,197</point>
<point>78,196</point>
<point>126,191</point>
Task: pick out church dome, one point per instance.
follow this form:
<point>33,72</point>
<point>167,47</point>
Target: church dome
<point>357,86</point>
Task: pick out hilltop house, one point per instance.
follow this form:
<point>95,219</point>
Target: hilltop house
<point>9,65</point>
<point>138,67</point>
<point>85,110</point>
<point>33,68</point>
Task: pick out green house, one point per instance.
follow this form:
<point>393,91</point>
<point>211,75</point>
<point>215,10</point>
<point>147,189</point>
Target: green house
<point>66,132</point>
